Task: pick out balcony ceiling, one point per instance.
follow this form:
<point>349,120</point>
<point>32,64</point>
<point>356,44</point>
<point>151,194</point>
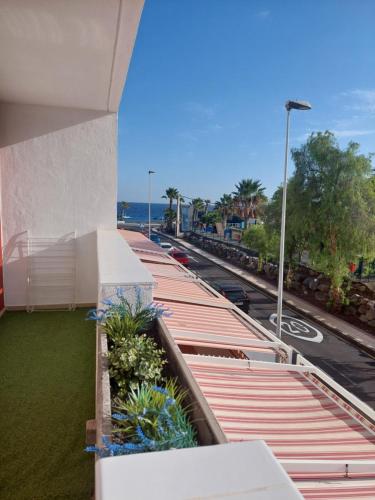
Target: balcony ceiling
<point>69,53</point>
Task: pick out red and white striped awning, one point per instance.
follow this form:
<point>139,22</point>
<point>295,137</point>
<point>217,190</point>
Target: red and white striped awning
<point>156,268</point>
<point>205,326</point>
<point>147,256</point>
<point>187,290</point>
<point>136,239</point>
<point>363,489</point>
<point>200,318</point>
<point>282,406</point>
<point>326,446</point>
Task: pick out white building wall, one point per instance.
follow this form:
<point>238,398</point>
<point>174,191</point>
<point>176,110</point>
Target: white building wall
<point>59,174</point>
<point>120,268</point>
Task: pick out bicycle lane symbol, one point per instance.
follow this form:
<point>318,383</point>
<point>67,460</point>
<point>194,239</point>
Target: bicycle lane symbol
<point>298,328</point>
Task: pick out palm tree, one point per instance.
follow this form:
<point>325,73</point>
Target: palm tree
<point>206,205</point>
<point>169,215</point>
<point>198,206</point>
<point>248,198</point>
<point>171,194</point>
<point>124,206</point>
<point>225,207</point>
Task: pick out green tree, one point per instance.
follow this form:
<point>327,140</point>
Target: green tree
<point>169,216</point>
<point>225,208</point>
<point>211,217</point>
<point>297,227</point>
<point>171,194</point>
<point>207,203</point>
<point>256,238</point>
<point>338,205</point>
<point>198,206</point>
<point>249,198</point>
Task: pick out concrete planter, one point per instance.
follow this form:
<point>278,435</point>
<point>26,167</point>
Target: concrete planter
<point>103,388</point>
<point>209,431</point>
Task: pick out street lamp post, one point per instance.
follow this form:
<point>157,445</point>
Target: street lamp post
<point>301,106</point>
<point>150,172</point>
<point>178,216</point>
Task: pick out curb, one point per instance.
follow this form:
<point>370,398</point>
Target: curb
<point>346,336</point>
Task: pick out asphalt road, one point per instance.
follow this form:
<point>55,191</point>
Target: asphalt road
<point>344,362</point>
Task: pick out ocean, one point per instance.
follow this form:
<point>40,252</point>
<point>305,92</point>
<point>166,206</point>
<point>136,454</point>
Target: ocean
<point>138,212</point>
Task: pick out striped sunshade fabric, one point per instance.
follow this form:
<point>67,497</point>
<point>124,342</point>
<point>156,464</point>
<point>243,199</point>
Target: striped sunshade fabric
<point>306,425</point>
<point>138,240</point>
<point>165,269</point>
<point>199,318</point>
<point>190,290</point>
<point>153,257</point>
<point>208,340</point>
<point>339,490</point>
<point>294,417</point>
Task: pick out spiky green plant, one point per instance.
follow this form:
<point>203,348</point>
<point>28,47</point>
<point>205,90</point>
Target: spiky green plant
<point>154,417</point>
<point>123,318</point>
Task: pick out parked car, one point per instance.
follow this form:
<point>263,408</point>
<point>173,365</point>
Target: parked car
<point>180,256</point>
<point>235,293</point>
<point>166,246</point>
<point>155,238</point>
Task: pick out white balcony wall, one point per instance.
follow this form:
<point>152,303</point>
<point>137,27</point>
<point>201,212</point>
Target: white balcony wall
<point>58,171</point>
<point>232,471</point>
<point>120,268</point>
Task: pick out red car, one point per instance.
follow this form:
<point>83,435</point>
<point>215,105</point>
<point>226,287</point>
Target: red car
<point>180,256</point>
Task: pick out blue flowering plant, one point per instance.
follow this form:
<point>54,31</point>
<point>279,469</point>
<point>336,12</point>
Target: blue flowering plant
<point>121,318</point>
<point>111,448</point>
<point>154,417</point>
<point>151,419</point>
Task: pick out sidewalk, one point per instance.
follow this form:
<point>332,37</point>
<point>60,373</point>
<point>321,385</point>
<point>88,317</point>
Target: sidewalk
<point>364,340</point>
<point>221,239</point>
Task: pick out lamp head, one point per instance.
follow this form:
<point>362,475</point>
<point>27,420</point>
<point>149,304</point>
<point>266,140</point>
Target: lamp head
<point>299,105</point>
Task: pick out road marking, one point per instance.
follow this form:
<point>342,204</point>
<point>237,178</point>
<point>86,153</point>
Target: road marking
<point>296,328</point>
<point>193,258</point>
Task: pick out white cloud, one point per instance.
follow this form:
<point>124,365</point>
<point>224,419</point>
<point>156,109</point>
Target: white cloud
<point>352,133</point>
<point>360,100</point>
<point>277,142</point>
<point>195,134</point>
<point>338,133</point>
<point>215,126</point>
<point>200,110</point>
<point>263,14</point>
<point>187,136</point>
<point>351,122</point>
<point>203,121</point>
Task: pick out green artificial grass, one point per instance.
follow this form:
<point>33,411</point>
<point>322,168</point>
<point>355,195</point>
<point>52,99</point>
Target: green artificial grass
<point>47,392</point>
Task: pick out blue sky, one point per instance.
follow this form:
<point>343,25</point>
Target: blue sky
<point>203,101</point>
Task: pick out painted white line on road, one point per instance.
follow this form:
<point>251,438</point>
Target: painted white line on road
<point>193,258</point>
<point>297,328</point>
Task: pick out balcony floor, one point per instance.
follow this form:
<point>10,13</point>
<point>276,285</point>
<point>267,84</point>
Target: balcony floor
<point>47,392</point>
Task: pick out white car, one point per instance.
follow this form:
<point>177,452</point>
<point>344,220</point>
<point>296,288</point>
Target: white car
<point>166,246</point>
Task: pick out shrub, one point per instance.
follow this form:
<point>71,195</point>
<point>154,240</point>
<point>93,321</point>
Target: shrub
<point>151,419</point>
<point>121,318</point>
<point>256,238</point>
<point>118,328</point>
<point>136,359</point>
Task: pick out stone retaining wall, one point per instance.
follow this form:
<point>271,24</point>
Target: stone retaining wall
<point>303,280</point>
